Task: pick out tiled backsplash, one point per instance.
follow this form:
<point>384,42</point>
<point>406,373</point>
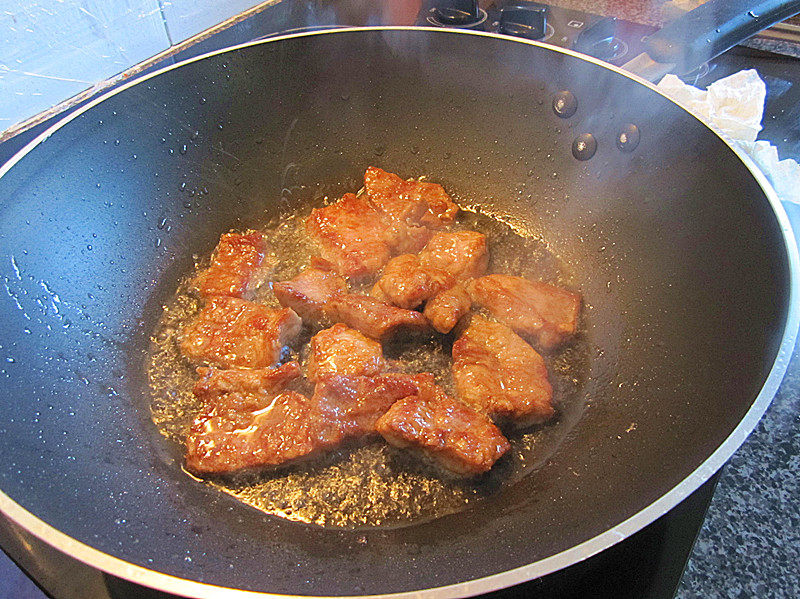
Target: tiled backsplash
<point>51,50</point>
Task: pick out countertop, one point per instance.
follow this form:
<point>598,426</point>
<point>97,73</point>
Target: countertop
<point>749,545</point>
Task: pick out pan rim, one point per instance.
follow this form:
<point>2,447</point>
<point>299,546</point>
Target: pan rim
<point>107,563</point>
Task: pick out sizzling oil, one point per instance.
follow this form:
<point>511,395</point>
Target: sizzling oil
<point>371,483</point>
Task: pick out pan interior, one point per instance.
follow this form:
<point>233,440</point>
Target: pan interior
<point>674,247</point>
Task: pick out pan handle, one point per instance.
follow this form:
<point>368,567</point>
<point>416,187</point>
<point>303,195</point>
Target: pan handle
<point>705,32</point>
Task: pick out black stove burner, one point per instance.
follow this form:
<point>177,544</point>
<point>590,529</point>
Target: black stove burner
<point>609,39</point>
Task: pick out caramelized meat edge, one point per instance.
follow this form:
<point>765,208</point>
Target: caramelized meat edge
<point>342,350</point>
<point>250,420</point>
<point>240,264</point>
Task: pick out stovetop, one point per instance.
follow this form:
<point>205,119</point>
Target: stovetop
<point>650,564</point>
<point>608,38</point>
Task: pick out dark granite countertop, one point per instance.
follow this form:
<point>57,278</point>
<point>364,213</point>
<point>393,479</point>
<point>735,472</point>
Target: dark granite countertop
<point>749,545</point>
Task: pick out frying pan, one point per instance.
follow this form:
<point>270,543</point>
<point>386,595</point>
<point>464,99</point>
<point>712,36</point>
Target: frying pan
<point>679,247</point>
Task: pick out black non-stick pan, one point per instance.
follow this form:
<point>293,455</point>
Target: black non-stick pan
<point>680,249</point>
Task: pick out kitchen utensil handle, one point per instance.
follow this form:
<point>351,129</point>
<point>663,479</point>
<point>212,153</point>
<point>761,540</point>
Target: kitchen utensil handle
<point>712,28</point>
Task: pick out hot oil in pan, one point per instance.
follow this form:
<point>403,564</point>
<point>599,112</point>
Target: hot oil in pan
<point>373,484</point>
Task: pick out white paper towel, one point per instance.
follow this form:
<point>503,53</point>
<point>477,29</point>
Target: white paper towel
<point>734,107</point>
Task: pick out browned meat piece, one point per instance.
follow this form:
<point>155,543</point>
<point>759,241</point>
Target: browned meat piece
<point>309,292</point>
<point>342,350</point>
<point>498,373</point>
<point>349,406</point>
<point>415,203</point>
<point>408,233</point>
<point>241,262</point>
<point>351,235</point>
<point>358,234</point>
<point>377,293</point>
<point>248,420</point>
<point>226,437</point>
<point>232,332</point>
<point>447,308</point>
<point>547,313</point>
<point>454,435</point>
<point>409,280</point>
<point>373,317</point>
<point>407,239</point>
<point>406,283</point>
<point>240,383</point>
<point>321,297</point>
<point>464,254</point>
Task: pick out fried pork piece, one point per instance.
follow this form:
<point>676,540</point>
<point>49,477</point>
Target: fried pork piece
<point>349,405</point>
<point>225,438</point>
<point>249,420</point>
<point>373,317</point>
<point>447,308</point>
<point>309,292</point>
<point>239,265</point>
<point>358,234</point>
<point>215,382</point>
<point>414,203</point>
<point>463,254</point>
<point>233,332</point>
<point>406,283</point>
<point>409,235</point>
<point>498,373</point>
<point>409,280</point>
<point>321,297</point>
<point>545,312</point>
<point>452,434</point>
<point>352,236</point>
<point>342,350</point>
